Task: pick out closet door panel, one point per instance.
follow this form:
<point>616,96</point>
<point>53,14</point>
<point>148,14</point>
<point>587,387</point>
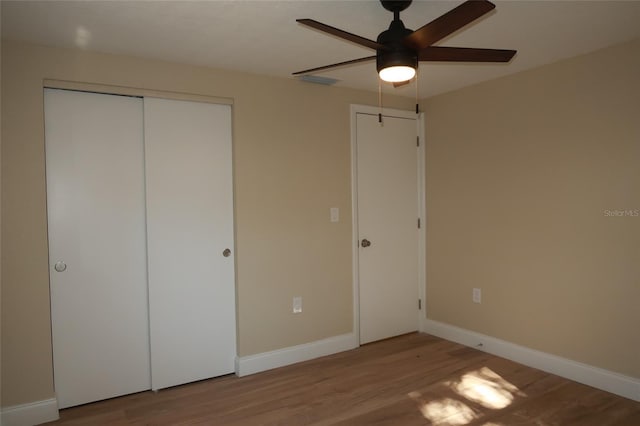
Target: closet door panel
<point>189,226</point>
<point>96,213</point>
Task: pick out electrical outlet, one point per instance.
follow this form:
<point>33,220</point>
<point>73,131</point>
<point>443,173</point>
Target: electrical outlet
<point>297,305</point>
<point>477,295</point>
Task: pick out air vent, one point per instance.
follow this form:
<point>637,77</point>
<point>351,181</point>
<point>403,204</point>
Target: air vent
<point>326,81</point>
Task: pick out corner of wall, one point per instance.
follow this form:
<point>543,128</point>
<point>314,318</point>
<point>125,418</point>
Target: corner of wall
<point>625,386</point>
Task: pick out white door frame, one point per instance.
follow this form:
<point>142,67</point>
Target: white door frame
<point>388,112</point>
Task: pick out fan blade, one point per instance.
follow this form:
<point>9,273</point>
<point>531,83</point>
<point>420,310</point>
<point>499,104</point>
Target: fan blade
<point>401,83</point>
<point>447,24</point>
<point>342,34</point>
<point>465,54</point>
<point>353,61</point>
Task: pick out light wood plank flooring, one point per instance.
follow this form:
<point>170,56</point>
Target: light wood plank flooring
<point>414,379</point>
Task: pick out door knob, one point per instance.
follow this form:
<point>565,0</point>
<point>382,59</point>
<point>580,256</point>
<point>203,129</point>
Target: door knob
<point>226,252</point>
<point>60,266</point>
<point>365,243</point>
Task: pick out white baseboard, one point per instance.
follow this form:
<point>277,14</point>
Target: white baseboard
<point>279,358</point>
<point>628,387</point>
<point>30,414</point>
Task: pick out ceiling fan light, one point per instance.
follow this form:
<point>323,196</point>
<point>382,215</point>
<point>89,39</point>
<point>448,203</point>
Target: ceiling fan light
<point>397,73</point>
<point>396,65</point>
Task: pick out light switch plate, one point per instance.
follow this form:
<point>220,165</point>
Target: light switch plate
<point>335,214</point>
<point>297,304</point>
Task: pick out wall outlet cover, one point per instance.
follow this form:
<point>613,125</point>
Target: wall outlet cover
<point>477,295</point>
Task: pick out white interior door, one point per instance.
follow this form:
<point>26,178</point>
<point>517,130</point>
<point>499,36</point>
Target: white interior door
<point>189,227</point>
<point>95,205</point>
<point>388,212</point>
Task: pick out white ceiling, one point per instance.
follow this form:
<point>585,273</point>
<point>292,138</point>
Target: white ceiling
<point>262,37</point>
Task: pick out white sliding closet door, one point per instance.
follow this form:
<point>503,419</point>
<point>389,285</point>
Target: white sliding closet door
<point>96,212</point>
<point>189,227</point>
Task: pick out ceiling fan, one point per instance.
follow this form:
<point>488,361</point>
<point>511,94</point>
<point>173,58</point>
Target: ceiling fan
<point>399,49</point>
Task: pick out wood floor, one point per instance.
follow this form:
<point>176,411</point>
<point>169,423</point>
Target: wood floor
<point>414,379</point>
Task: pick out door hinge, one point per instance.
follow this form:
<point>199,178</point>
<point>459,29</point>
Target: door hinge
<point>419,304</point>
<point>417,140</point>
<point>418,223</point>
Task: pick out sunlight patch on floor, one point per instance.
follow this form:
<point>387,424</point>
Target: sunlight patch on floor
<point>486,388</point>
<point>482,387</point>
<point>447,411</point>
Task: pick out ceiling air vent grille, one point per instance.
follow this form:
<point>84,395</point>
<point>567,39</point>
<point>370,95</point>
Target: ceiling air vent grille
<point>326,81</point>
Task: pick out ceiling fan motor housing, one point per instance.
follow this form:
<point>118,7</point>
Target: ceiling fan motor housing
<point>395,5</point>
<point>397,54</point>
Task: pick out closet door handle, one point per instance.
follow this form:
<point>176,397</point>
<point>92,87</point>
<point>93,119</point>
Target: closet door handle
<point>60,266</point>
<point>226,252</point>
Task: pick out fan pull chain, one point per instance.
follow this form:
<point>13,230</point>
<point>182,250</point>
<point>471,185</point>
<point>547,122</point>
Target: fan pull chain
<point>380,101</point>
<point>417,92</point>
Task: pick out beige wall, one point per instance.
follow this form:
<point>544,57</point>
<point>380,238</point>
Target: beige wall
<point>292,163</point>
<point>520,172</point>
